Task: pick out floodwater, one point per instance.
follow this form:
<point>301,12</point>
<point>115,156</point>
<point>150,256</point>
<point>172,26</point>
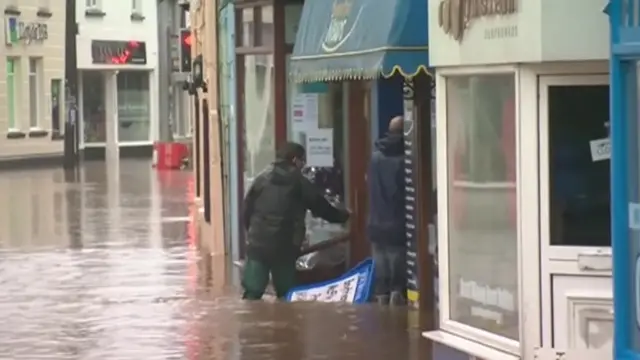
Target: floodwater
<point>101,264</point>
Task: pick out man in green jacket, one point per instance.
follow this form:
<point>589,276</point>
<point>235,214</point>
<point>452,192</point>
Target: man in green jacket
<point>275,208</point>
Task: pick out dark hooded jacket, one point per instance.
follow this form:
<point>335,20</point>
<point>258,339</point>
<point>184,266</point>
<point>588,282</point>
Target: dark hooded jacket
<point>275,209</point>
<point>386,222</point>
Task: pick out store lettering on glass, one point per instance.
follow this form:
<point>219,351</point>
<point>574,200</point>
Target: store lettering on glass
<point>487,296</point>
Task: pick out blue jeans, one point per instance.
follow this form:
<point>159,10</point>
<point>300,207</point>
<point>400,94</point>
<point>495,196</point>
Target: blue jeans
<point>390,269</point>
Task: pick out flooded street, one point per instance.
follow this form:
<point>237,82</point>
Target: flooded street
<point>102,265</point>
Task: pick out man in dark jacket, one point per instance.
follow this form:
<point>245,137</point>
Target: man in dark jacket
<point>386,223</point>
<point>274,214</point>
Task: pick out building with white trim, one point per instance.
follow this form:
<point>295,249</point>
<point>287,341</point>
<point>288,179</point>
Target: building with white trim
<point>524,225</point>
<point>117,53</point>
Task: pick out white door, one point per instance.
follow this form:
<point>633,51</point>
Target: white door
<point>576,287</point>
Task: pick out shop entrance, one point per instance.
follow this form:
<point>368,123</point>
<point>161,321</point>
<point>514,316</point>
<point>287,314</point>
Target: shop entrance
<point>575,221</point>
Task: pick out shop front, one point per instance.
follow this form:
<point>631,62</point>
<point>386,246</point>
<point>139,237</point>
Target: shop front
<point>353,65</point>
<point>625,175</point>
<point>118,77</point>
<point>522,119</point>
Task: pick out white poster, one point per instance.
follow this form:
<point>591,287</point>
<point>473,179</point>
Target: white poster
<point>342,290</point>
<point>319,146</point>
<point>304,112</point>
<point>600,149</point>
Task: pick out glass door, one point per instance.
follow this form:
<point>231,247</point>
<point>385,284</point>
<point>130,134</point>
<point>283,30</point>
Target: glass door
<point>577,308</point>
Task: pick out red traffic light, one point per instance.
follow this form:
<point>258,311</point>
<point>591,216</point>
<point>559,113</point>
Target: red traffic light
<point>186,38</point>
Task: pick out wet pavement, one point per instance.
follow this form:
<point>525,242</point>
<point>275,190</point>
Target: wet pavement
<point>101,264</point>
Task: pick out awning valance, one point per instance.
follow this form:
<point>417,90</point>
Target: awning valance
<point>360,39</point>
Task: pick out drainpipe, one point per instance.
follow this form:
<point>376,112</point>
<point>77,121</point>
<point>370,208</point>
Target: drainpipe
<point>165,94</point>
<point>71,128</point>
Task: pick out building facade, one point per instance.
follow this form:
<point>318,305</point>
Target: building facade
<point>32,80</point>
<point>208,130</point>
<point>117,56</point>
<point>524,226</point>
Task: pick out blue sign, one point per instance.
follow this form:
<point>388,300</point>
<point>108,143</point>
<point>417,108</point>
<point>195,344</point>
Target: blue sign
<point>353,287</point>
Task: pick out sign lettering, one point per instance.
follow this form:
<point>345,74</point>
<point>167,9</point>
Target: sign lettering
<point>455,16</point>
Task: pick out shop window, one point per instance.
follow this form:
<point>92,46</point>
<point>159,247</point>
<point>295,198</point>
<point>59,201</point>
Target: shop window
<point>92,4</point>
<point>257,27</point>
<point>482,211</point>
<point>13,78</point>
<point>248,28</point>
<point>136,6</point>
<point>93,107</point>
<point>265,27</point>
<point>580,212</point>
<point>35,91</point>
<point>259,115</point>
<point>318,113</point>
<point>134,118</point>
<point>56,105</point>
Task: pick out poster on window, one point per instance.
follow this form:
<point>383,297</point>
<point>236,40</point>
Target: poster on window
<point>304,112</point>
<point>319,147</point>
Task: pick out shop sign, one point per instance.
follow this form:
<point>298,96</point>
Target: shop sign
<point>19,31</point>
<point>341,25</point>
<point>353,287</point>
<point>118,52</point>
<point>455,16</point>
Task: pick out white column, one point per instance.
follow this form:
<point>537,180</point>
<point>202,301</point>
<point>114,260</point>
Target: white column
<point>112,150</point>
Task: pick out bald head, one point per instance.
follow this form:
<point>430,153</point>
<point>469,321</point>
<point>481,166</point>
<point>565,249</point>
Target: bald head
<point>396,125</point>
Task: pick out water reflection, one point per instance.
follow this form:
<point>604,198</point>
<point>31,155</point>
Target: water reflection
<point>102,264</point>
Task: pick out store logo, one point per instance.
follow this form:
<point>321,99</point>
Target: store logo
<point>11,32</point>
<point>455,16</point>
<point>16,31</point>
<point>341,25</point>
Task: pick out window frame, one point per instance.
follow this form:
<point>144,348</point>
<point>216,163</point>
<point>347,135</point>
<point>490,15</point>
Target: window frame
<point>93,4</point>
<point>136,6</point>
<point>12,84</point>
<point>462,331</point>
<point>38,92</point>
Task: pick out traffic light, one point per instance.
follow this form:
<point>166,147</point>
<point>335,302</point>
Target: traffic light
<point>185,50</point>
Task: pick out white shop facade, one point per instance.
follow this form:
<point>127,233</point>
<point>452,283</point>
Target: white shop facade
<point>522,118</point>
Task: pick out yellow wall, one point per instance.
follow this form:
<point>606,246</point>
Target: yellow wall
<point>204,31</point>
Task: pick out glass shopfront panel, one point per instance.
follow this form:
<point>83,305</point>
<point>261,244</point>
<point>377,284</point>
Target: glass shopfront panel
<point>259,115</point>
<point>316,121</point>
<point>93,107</point>
<point>134,117</point>
<point>482,211</point>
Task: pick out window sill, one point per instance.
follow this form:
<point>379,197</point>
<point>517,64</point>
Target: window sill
<point>44,13</point>
<point>94,13</point>
<point>136,16</point>
<point>12,10</point>
<point>470,347</point>
<point>56,135</point>
<point>14,134</point>
<point>37,133</point>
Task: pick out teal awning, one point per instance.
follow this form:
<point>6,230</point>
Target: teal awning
<point>360,39</point>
